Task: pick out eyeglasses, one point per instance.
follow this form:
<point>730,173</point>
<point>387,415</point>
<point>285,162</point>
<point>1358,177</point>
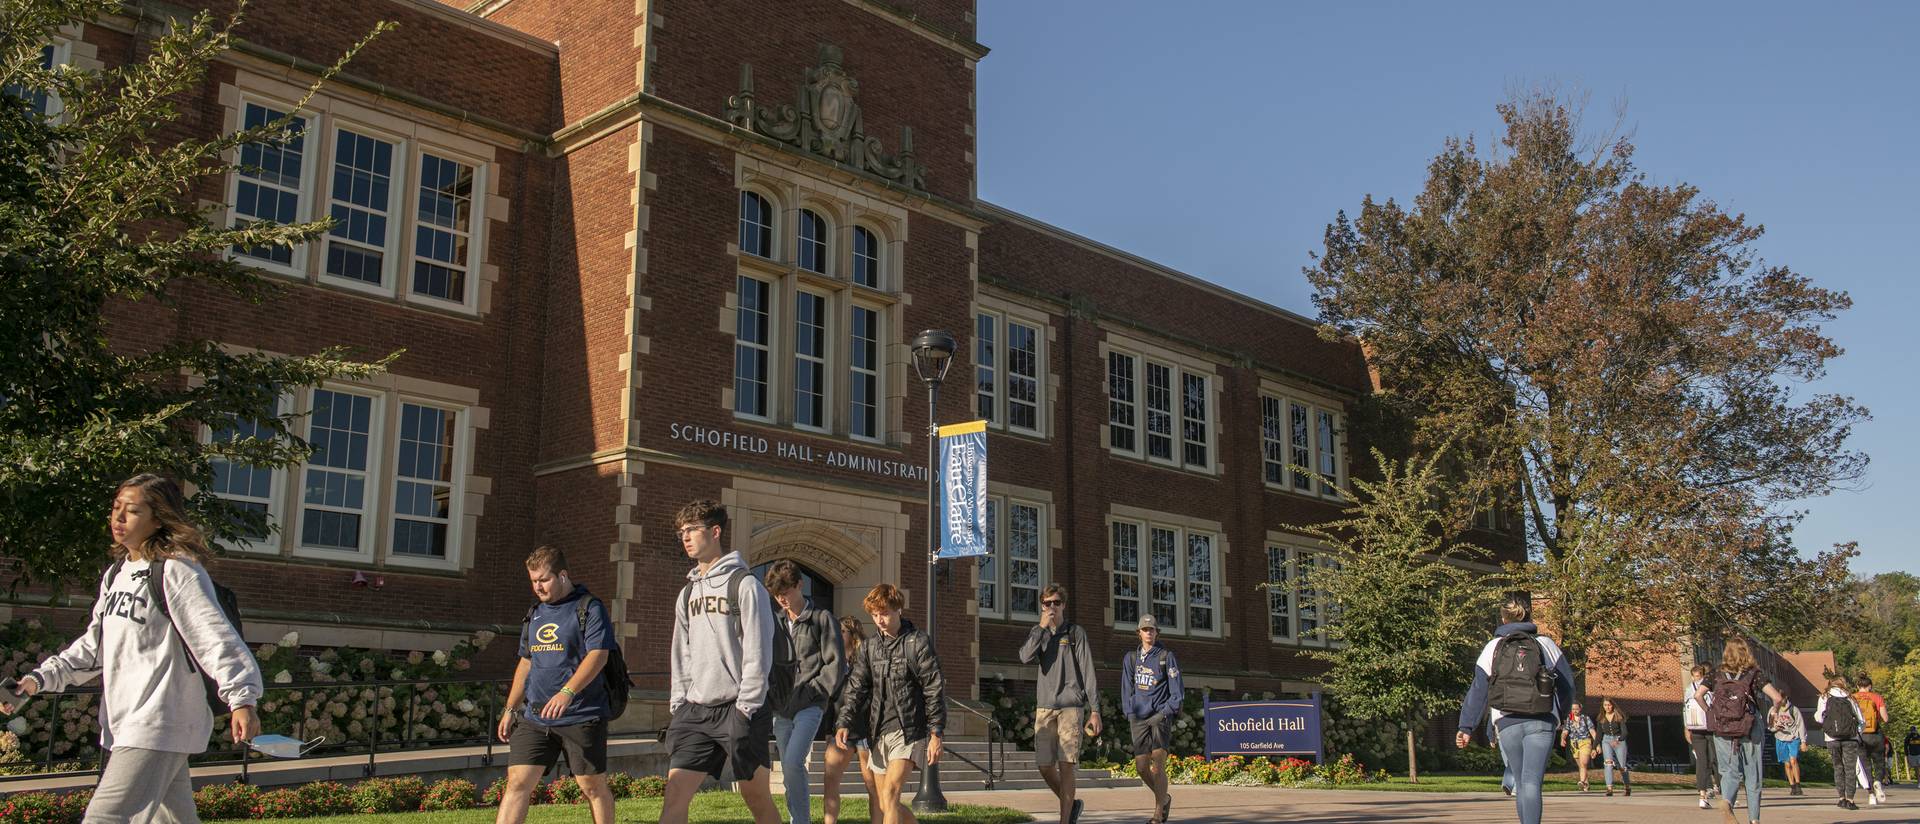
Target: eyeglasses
<point>1053,603</point>
<point>691,530</point>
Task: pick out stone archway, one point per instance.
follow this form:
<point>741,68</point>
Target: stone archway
<point>835,554</point>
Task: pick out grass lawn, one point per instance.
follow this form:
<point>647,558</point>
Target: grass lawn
<point>708,808</point>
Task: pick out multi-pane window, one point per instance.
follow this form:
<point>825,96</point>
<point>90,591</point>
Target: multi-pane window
<point>334,500</point>
<point>1302,443</point>
<point>810,360</point>
<point>444,230</point>
<point>756,224</point>
<point>360,203</point>
<point>864,385</point>
<point>1014,570</point>
<point>1146,398</point>
<point>753,347</point>
<point>1121,432</point>
<point>866,257</point>
<point>1009,391</point>
<point>382,464</point>
<point>269,180</point>
<point>250,488</point>
<point>42,102</point>
<point>1279,593</point>
<point>811,243</point>
<point>1298,609</point>
<point>985,360</point>
<point>423,485</point>
<point>1172,576</point>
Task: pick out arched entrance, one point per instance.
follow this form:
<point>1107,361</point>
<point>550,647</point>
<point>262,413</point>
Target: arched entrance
<point>817,588</point>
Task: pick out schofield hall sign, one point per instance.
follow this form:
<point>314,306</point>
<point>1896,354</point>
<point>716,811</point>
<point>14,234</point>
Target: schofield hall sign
<point>1254,728</point>
<point>794,451</point>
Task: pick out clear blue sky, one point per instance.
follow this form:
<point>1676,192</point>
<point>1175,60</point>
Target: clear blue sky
<point>1220,139</point>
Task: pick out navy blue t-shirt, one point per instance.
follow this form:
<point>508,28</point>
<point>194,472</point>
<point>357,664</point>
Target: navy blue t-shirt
<point>556,644</point>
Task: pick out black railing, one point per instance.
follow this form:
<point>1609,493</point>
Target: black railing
<point>996,739</point>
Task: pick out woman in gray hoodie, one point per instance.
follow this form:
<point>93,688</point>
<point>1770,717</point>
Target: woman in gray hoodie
<point>149,655</point>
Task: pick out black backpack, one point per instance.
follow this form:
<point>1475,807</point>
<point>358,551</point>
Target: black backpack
<point>614,676</point>
<point>1520,683</point>
<point>1731,714</point>
<point>1839,722</point>
<point>157,592</point>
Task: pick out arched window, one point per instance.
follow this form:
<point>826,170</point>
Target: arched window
<point>866,258</point>
<point>812,245</point>
<point>756,225</point>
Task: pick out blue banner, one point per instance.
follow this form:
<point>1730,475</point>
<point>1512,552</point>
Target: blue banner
<point>963,490</point>
<point>1256,728</point>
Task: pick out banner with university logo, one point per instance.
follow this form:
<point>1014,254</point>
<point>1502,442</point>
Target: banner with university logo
<point>1252,728</point>
<point>963,490</point>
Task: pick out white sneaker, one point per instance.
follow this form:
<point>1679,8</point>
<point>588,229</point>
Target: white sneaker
<point>1873,800</point>
<point>1704,805</point>
<point>1879,792</point>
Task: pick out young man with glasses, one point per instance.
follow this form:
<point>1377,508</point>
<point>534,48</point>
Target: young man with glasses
<point>1066,704</point>
<point>721,658</point>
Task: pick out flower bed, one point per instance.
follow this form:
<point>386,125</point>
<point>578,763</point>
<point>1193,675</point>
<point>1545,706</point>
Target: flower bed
<point>1253,772</point>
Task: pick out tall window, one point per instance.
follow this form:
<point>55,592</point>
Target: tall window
<point>756,225</point>
<point>864,385</point>
<point>361,200</point>
<point>335,498</point>
<point>810,360</point>
<point>1010,389</point>
<point>1014,570</point>
<point>752,348</point>
<point>1145,398</point>
<point>269,185</point>
<point>866,258</point>
<point>1273,440</point>
<point>990,565</point>
<point>1299,610</point>
<point>1328,450</point>
<point>42,102</point>
<point>444,230</point>
<point>1300,445</point>
<point>249,487</point>
<point>1279,593</point>
<point>1175,581</point>
<point>1302,450</point>
<point>423,481</point>
<point>812,242</point>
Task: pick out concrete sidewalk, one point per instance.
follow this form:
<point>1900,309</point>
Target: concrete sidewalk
<point>1209,804</point>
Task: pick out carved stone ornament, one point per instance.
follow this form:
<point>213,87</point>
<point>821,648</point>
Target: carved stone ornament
<point>826,121</point>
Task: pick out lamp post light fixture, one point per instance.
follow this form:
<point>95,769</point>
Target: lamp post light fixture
<point>932,357</point>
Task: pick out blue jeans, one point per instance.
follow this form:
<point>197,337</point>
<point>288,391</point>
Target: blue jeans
<point>1740,761</point>
<point>1527,745</point>
<point>1613,750</point>
<point>794,738</point>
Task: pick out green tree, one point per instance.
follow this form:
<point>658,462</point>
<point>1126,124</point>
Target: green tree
<point>1612,357</point>
<point>1405,614</point>
<point>98,210</point>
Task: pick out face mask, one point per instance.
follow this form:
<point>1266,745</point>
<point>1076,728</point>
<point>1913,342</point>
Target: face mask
<point>280,746</point>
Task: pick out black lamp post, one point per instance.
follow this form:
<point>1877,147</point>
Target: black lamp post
<point>932,356</point>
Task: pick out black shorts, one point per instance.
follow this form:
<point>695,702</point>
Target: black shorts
<point>707,737</point>
<point>1151,734</point>
<point>536,745</point>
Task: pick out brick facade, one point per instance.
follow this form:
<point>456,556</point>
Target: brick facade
<point>596,365</point>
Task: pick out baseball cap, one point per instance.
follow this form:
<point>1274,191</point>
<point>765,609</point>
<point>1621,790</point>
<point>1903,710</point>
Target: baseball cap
<point>1149,622</point>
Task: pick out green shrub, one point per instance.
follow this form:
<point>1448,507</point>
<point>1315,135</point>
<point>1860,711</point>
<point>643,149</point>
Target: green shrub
<point>37,808</point>
<point>492,796</point>
<point>565,791</point>
<point>1480,760</point>
<point>449,794</point>
<point>327,798</point>
<point>280,804</point>
<point>389,795</point>
<point>226,800</point>
<point>650,786</point>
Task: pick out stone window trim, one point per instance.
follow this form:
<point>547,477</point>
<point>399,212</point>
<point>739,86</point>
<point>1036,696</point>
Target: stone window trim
<point>412,140</point>
<point>1003,315</point>
<point>1145,521</point>
<point>789,190</point>
<point>1003,496</point>
<point>1286,399</point>
<point>1179,366</point>
<point>389,393</point>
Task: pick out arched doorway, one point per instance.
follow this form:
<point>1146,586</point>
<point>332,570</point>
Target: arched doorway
<point>817,588</point>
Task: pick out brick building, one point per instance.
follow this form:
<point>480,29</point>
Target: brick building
<point>642,253</point>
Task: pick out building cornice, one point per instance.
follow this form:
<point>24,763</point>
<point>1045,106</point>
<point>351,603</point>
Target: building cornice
<point>910,21</point>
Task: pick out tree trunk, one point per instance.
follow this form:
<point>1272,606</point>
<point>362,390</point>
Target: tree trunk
<point>1413,764</point>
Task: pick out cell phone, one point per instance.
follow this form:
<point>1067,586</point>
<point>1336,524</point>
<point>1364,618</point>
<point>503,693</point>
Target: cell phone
<point>10,694</point>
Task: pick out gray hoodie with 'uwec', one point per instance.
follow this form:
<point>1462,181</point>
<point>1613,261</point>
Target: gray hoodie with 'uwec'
<point>722,651</point>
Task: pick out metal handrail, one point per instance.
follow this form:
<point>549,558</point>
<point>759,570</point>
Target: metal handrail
<point>993,742</point>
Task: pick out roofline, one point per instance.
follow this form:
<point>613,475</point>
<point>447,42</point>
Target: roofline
<point>463,17</point>
<point>995,210</point>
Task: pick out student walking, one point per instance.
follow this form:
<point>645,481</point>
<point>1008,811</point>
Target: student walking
<point>721,659</point>
<point>565,643</point>
<point>808,668</point>
<point>1737,725</point>
<point>896,692</point>
<point>1150,697</point>
<point>1840,719</point>
<point>1066,707</point>
<point>1873,745</point>
<point>1789,734</point>
<point>839,757</point>
<point>1913,753</point>
<point>1523,682</point>
<point>1613,745</point>
<point>1577,736</point>
<point>1693,713</point>
<point>157,628</point>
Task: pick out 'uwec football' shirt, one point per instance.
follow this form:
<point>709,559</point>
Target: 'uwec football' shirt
<point>556,643</point>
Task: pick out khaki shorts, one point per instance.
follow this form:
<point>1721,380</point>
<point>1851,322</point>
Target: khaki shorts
<point>883,751</point>
<point>1058,734</point>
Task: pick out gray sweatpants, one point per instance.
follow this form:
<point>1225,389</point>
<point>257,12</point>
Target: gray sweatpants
<point>142,786</point>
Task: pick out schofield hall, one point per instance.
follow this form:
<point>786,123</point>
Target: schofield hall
<point>642,253</point>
